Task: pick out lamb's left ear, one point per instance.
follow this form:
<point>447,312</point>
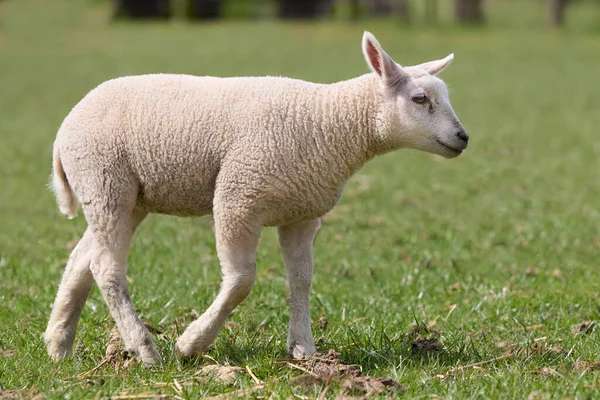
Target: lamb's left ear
<point>378,60</point>
<point>437,66</point>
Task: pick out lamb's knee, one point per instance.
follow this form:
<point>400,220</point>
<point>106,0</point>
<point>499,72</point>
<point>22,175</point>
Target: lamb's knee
<point>238,286</point>
<point>108,266</point>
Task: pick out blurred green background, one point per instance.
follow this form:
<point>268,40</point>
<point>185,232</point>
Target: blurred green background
<point>492,254</point>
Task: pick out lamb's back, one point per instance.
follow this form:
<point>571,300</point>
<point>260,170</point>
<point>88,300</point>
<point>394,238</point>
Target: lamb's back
<point>173,132</point>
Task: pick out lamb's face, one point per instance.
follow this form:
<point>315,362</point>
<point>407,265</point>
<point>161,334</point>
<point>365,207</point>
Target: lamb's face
<point>426,120</point>
<point>417,109</point>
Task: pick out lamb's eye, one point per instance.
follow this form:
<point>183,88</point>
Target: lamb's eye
<point>419,98</point>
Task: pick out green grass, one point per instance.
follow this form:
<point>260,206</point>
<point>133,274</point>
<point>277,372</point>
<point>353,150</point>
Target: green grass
<point>499,246</point>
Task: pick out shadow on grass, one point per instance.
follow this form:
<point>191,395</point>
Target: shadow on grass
<point>402,352</point>
<point>372,355</point>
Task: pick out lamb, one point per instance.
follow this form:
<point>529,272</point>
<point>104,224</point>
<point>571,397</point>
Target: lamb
<point>251,151</point>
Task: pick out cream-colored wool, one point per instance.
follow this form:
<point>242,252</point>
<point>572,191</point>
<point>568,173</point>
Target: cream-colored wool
<point>254,152</point>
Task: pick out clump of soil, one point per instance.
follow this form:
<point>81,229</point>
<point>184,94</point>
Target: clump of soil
<point>325,369</point>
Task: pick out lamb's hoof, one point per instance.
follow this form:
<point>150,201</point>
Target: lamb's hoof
<point>179,353</point>
<point>300,351</point>
<point>58,354</point>
<point>56,350</point>
<point>149,357</point>
<point>155,359</point>
<point>186,351</point>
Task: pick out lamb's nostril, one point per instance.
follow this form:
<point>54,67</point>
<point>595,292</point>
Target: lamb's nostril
<point>463,135</point>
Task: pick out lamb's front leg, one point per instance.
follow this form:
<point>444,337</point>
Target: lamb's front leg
<point>237,241</point>
<point>296,244</point>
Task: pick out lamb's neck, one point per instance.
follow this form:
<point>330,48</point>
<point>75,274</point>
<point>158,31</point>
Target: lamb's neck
<point>348,113</point>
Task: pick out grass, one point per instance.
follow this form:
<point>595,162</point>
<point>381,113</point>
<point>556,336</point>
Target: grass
<point>497,250</point>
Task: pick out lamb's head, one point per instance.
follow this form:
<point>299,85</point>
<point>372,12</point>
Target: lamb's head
<point>414,109</point>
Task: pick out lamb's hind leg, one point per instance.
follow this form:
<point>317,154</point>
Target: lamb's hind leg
<point>113,234</point>
<point>236,246</point>
<point>296,245</point>
<point>72,293</point>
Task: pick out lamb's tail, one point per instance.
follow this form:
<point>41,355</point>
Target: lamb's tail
<point>65,197</point>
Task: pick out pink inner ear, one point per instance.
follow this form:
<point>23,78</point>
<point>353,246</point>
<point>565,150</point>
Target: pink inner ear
<point>374,57</point>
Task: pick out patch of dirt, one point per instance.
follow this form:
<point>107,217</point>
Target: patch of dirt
<point>540,347</point>
<point>116,355</point>
<point>544,372</point>
<point>7,353</point>
<point>369,385</point>
<point>324,369</point>
<point>427,346</point>
<point>581,366</point>
<point>225,374</point>
<point>582,327</point>
<point>20,394</point>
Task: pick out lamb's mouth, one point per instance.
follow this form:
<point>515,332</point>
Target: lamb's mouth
<point>452,149</point>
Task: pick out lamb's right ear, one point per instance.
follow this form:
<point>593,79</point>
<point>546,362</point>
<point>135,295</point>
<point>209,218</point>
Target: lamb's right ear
<point>380,63</point>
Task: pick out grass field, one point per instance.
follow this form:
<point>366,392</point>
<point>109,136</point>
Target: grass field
<point>494,254</point>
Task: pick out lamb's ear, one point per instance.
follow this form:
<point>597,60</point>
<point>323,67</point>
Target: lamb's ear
<point>380,63</point>
<point>437,66</point>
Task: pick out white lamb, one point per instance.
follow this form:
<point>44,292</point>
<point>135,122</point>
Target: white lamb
<point>253,151</point>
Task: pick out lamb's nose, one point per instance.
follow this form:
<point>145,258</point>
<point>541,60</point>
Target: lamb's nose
<point>463,135</point>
